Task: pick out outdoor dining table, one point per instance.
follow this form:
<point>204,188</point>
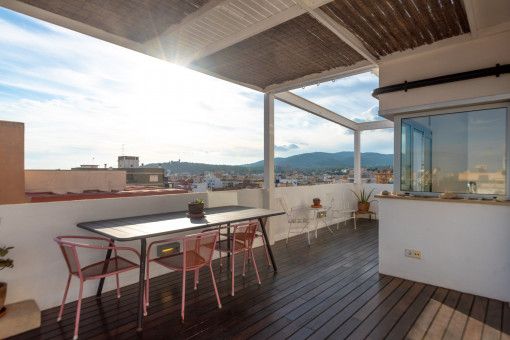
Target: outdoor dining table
<point>143,227</point>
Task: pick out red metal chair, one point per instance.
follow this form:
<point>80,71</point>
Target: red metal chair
<point>197,252</point>
<point>98,270</point>
<point>240,241</point>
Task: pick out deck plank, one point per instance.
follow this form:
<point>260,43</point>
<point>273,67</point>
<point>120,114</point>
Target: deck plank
<point>329,289</point>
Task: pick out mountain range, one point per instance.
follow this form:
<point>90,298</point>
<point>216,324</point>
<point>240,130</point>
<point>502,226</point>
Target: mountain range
<point>316,160</point>
<point>306,161</point>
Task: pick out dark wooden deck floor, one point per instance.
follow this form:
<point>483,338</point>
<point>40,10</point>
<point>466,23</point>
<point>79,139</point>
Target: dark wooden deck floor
<point>329,290</point>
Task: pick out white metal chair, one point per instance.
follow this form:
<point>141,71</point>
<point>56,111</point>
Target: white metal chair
<point>335,216</point>
<point>300,216</point>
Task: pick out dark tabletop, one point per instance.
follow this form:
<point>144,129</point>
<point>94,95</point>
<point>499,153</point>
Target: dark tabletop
<point>138,227</point>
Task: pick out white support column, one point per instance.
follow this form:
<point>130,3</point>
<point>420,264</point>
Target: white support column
<point>269,156</point>
<point>357,157</point>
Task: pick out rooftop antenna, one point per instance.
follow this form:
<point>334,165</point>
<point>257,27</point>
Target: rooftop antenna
<point>122,149</point>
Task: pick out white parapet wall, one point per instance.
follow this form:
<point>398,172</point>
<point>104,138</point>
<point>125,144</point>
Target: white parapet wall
<point>302,196</point>
<point>40,272</point>
<point>464,246</point>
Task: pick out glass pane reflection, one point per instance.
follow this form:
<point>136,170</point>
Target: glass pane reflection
<point>461,152</point>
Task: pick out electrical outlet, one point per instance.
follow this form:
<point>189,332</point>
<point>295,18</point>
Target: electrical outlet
<point>413,253</point>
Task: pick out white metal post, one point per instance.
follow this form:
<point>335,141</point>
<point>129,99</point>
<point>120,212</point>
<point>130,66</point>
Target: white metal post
<point>357,157</point>
<point>269,156</point>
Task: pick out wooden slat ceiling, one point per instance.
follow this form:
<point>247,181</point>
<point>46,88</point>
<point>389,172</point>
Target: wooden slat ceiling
<point>391,26</point>
<point>262,44</point>
<point>298,47</point>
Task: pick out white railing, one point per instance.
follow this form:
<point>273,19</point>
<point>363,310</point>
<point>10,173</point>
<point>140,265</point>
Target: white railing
<point>39,271</point>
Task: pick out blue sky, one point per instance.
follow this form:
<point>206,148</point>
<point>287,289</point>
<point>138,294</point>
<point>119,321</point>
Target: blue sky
<point>85,101</point>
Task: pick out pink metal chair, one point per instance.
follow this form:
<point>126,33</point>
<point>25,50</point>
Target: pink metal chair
<point>240,241</point>
<point>98,270</point>
<point>197,252</point>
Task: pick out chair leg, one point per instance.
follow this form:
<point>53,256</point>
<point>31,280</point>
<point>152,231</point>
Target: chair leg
<point>288,233</point>
<point>244,263</point>
<point>118,286</point>
<point>215,288</point>
<point>196,278</point>
<point>255,266</point>
<point>64,299</point>
<point>233,257</point>
<point>78,310</point>
<point>147,288</point>
<point>183,293</point>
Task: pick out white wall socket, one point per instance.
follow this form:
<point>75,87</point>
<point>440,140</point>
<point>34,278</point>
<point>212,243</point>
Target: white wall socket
<point>413,253</point>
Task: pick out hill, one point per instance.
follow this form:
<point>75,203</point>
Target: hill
<point>327,160</point>
<point>314,160</point>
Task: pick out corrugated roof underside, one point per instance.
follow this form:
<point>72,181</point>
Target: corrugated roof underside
<point>296,48</point>
<point>137,20</point>
<point>389,26</point>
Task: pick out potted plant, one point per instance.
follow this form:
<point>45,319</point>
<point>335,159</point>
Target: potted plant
<point>196,207</point>
<point>4,263</point>
<point>363,199</point>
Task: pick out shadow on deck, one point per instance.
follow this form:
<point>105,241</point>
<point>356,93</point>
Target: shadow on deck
<point>331,289</point>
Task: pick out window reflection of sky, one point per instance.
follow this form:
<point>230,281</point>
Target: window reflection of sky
<point>468,146</point>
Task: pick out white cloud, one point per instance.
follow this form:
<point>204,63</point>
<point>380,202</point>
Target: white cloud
<point>82,99</point>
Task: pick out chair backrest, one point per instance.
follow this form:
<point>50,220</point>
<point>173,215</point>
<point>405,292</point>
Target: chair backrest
<point>70,254</point>
<point>199,248</point>
<point>245,233</point>
<point>283,204</point>
<point>68,246</point>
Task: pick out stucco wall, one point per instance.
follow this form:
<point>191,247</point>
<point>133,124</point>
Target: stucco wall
<point>460,56</point>
<point>75,181</point>
<point>12,162</point>
<point>464,245</point>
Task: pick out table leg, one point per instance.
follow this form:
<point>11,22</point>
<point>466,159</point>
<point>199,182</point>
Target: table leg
<point>101,281</point>
<point>141,283</point>
<point>263,227</point>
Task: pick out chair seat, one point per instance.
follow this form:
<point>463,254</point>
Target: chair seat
<point>108,267</point>
<point>223,246</point>
<point>175,261</point>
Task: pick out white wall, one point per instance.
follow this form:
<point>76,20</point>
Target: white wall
<point>39,270</point>
<point>464,246</point>
<point>30,228</point>
<point>427,62</point>
<point>303,195</point>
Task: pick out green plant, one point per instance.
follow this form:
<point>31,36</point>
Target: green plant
<point>363,197</point>
<point>5,262</point>
<point>198,200</point>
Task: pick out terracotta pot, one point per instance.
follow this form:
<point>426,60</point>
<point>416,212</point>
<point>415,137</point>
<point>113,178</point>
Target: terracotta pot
<point>363,206</point>
<point>3,292</point>
<point>195,208</point>
<point>316,201</point>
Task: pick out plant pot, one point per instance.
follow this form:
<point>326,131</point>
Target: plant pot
<point>3,292</point>
<point>316,201</point>
<point>363,206</point>
<point>195,208</point>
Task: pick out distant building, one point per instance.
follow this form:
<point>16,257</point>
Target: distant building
<point>140,176</point>
<point>128,162</point>
<point>384,177</point>
<point>199,187</point>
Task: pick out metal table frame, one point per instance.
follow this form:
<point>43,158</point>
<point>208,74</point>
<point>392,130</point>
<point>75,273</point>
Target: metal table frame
<point>143,227</point>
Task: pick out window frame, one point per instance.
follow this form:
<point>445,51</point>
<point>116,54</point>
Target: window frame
<point>435,112</point>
